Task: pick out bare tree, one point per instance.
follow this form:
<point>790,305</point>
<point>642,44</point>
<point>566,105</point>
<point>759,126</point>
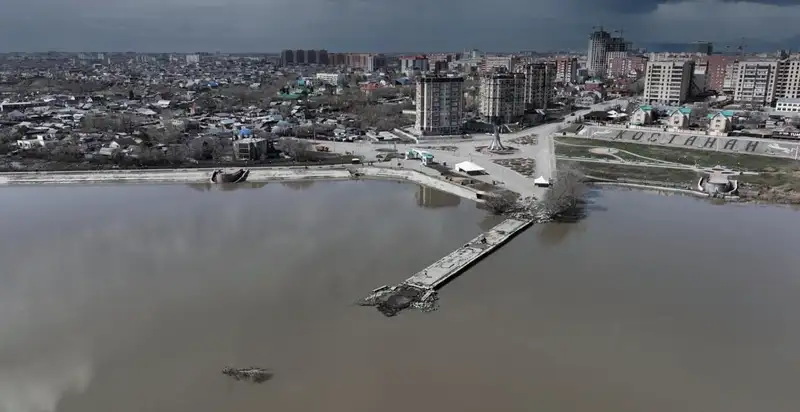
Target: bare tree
<point>7,135</point>
<point>637,87</point>
<point>565,195</point>
<point>169,134</point>
<point>501,203</point>
<point>295,148</point>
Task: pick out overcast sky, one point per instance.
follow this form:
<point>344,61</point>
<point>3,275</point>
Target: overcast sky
<point>379,25</point>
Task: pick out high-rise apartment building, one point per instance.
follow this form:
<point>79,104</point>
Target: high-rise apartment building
<point>600,43</point>
<point>366,61</point>
<point>322,57</point>
<point>701,47</point>
<point>731,76</point>
<point>668,82</point>
<point>717,67</point>
<point>290,57</point>
<point>337,59</point>
<point>502,97</point>
<point>300,57</point>
<point>788,79</point>
<point>756,82</point>
<point>567,70</point>
<point>410,63</point>
<point>440,105</point>
<point>538,88</point>
<point>311,57</point>
<point>287,58</point>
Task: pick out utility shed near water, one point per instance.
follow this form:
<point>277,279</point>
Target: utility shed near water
<point>469,168</point>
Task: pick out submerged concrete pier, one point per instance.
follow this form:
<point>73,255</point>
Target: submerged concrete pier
<point>460,259</point>
<point>419,291</point>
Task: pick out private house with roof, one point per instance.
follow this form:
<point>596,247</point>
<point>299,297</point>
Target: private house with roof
<point>679,119</point>
<point>720,122</point>
<point>642,116</point>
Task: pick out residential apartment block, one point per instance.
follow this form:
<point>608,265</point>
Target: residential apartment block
<point>756,82</point>
<point>788,105</point>
<point>292,57</point>
<point>567,70</point>
<point>365,61</point>
<point>716,70</point>
<point>668,82</point>
<point>411,63</point>
<point>760,82</point>
<point>538,88</point>
<point>492,63</point>
<point>600,43</point>
<point>502,97</point>
<point>624,64</point>
<point>439,105</point>
<point>368,62</point>
<point>787,85</point>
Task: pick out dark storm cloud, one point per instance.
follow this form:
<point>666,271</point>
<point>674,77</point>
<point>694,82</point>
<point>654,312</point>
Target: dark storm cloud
<point>646,6</point>
<point>376,25</point>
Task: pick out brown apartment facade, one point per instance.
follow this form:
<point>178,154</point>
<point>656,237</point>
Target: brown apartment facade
<point>625,64</point>
<point>364,61</point>
<point>566,69</point>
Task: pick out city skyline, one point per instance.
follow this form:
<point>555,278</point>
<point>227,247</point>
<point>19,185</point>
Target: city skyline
<point>356,25</point>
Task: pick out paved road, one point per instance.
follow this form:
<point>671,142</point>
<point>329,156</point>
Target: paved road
<point>543,153</point>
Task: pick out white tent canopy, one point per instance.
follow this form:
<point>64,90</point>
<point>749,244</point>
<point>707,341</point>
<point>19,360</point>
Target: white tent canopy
<point>541,181</point>
<point>468,167</point>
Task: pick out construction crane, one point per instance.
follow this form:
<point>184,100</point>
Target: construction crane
<point>741,47</point>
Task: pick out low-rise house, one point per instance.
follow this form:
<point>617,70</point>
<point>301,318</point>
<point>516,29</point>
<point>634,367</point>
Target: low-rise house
<point>643,115</point>
<point>251,148</point>
<point>107,151</point>
<point>33,142</point>
<point>679,118</point>
<point>720,122</point>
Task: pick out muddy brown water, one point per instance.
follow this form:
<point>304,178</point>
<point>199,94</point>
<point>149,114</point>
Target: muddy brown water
<point>133,298</point>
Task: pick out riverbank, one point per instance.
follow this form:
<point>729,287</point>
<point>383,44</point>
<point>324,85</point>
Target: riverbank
<point>766,179</point>
<point>258,174</point>
<point>763,188</point>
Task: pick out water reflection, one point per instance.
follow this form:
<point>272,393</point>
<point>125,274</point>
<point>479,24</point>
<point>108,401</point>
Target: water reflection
<point>205,187</point>
<point>299,184</point>
<point>39,384</point>
<point>552,234</point>
<point>432,198</point>
<point>489,221</point>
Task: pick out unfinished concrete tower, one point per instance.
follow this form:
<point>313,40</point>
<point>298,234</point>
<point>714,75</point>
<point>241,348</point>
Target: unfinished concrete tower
<point>496,145</point>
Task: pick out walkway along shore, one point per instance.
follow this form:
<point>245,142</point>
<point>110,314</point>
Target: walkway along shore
<point>257,174</point>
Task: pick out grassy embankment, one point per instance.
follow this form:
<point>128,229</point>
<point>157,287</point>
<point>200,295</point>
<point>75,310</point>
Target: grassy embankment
<point>778,179</point>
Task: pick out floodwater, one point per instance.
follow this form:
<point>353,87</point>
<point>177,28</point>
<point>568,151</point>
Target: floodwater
<point>132,298</point>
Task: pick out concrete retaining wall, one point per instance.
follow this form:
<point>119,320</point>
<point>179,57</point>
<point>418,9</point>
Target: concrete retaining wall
<point>421,178</point>
<point>265,174</point>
